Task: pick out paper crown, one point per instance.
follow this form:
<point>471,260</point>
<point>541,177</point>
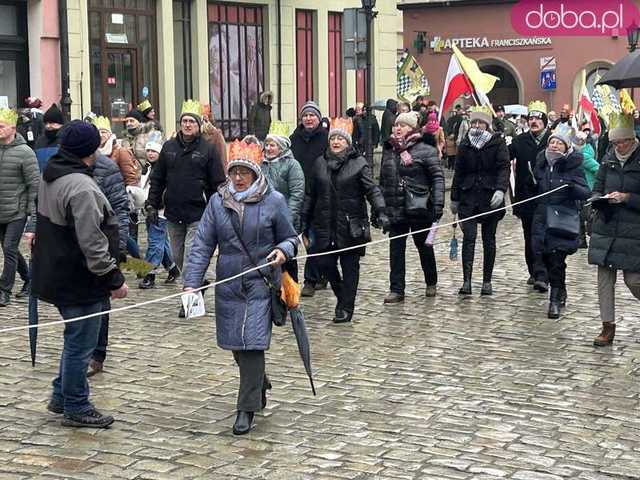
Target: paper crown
<point>144,106</point>
<point>620,120</point>
<point>241,151</point>
<point>154,136</point>
<point>102,123</point>
<point>538,106</point>
<point>481,109</point>
<point>564,132</point>
<point>9,116</point>
<point>192,107</point>
<point>339,123</point>
<point>279,128</point>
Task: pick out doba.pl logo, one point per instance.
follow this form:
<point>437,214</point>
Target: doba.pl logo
<point>574,17</point>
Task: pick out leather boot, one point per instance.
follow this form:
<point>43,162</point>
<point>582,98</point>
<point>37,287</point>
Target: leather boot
<point>563,297</point>
<point>606,335</point>
<point>554,303</point>
<point>243,423</point>
<point>467,270</point>
<point>5,298</point>
<point>487,289</point>
<point>343,316</point>
<point>149,281</point>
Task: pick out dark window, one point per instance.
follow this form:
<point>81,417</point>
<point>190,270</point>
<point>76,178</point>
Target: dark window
<point>335,64</point>
<point>182,51</point>
<point>304,56</point>
<point>14,58</point>
<point>236,67</point>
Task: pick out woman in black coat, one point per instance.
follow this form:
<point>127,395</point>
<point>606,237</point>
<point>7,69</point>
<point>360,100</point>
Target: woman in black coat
<point>479,183</point>
<point>409,162</point>
<point>335,210</point>
<point>554,238</point>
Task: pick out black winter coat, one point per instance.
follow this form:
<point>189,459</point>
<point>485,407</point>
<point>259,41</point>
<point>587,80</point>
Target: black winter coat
<point>360,132</point>
<point>615,238</point>
<point>108,177</point>
<point>478,174</point>
<point>425,170</point>
<point>308,146</point>
<point>184,178</point>
<point>259,118</point>
<point>567,169</point>
<point>525,150</point>
<point>335,207</point>
<point>388,120</point>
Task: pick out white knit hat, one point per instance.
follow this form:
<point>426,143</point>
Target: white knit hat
<point>408,118</point>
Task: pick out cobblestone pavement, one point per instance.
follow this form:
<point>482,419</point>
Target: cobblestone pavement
<point>443,388</point>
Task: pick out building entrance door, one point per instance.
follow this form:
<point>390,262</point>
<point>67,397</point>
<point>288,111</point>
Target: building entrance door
<point>120,85</point>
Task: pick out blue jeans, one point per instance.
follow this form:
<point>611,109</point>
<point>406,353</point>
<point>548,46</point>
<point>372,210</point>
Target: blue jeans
<point>158,248</point>
<point>70,387</point>
<point>132,247</point>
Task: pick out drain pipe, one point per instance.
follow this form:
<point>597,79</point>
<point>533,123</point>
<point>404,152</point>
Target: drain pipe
<point>279,40</point>
<point>65,100</point>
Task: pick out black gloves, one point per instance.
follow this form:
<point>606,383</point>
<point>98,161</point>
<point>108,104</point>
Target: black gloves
<point>438,211</point>
<point>384,222</point>
<point>152,215</point>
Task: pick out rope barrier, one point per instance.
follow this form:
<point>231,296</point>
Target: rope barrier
<point>299,257</point>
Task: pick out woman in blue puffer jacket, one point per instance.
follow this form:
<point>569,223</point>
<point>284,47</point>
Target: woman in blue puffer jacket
<point>245,215</point>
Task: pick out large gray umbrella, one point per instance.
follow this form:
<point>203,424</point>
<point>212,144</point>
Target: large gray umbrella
<point>624,74</point>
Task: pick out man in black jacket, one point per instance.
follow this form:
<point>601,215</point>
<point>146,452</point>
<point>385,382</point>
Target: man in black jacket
<point>388,119</point>
<point>524,149</point>
<point>75,265</point>
<point>259,119</point>
<point>187,172</point>
<point>360,129</point>
<point>308,142</point>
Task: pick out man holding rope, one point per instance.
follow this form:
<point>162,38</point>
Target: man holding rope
<point>74,264</point>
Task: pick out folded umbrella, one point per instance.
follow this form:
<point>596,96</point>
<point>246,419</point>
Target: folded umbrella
<point>453,245</point>
<point>33,332</point>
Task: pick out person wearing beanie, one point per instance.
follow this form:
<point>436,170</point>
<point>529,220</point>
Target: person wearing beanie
<point>47,143</point>
<point>187,173</point>
<point>433,128</point>
<point>259,118</point>
<point>556,219</point>
<point>480,182</point>
<point>135,139</point>
<point>75,265</point>
<point>246,200</point>
<point>411,169</point>
<point>309,141</point>
<point>503,125</point>
<point>525,149</point>
<point>335,215</point>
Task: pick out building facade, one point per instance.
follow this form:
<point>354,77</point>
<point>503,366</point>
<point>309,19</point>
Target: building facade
<point>543,68</point>
<point>221,53</point>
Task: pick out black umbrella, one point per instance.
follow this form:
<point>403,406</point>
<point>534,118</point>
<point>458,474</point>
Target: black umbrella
<point>33,332</point>
<point>302,337</point>
<point>625,73</point>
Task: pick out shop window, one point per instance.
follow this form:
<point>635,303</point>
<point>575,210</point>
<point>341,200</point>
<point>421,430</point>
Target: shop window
<point>335,64</point>
<point>304,56</point>
<point>14,57</point>
<point>182,51</point>
<point>236,65</point>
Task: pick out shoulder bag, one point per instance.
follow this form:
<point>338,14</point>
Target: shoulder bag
<point>563,221</point>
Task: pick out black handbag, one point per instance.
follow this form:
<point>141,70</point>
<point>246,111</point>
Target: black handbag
<point>279,308</point>
<point>563,221</point>
<point>417,199</point>
<point>359,229</point>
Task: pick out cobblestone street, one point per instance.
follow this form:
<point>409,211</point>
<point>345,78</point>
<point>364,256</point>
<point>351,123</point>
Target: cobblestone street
<point>444,388</point>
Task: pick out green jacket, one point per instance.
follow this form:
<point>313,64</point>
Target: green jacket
<point>285,175</point>
<point>19,180</point>
<point>590,165</point>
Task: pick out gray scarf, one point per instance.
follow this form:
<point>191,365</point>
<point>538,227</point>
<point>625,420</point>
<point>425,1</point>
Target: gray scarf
<point>479,138</point>
<point>623,158</point>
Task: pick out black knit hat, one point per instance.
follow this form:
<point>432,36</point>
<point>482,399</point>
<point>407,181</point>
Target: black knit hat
<point>80,138</point>
<point>53,115</point>
<point>135,113</point>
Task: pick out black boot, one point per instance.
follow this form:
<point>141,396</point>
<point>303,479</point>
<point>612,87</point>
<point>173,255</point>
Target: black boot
<point>149,281</point>
<point>467,270</point>
<point>563,297</point>
<point>243,423</point>
<point>487,289</point>
<point>343,316</point>
<point>173,275</point>
<point>554,303</point>
<point>24,291</point>
<point>5,298</point>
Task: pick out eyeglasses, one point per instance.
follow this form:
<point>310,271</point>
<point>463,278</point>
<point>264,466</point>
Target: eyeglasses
<point>240,173</point>
<point>188,121</point>
<point>624,141</point>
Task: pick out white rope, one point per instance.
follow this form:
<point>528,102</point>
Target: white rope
<point>299,257</point>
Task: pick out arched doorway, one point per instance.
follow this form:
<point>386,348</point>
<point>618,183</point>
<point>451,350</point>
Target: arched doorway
<point>591,73</point>
<point>507,89</point>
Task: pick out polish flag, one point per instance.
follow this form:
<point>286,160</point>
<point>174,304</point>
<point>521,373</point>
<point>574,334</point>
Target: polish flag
<point>456,84</point>
<point>589,109</point>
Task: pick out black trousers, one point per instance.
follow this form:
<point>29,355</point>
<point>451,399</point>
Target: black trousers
<point>344,287</point>
<point>10,235</point>
<point>253,379</point>
<point>489,225</point>
<point>100,352</point>
<point>397,249</point>
<point>312,273</point>
<point>556,265</point>
<point>535,264</point>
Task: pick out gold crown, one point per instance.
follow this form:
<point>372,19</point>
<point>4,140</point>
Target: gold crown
<point>340,123</point>
<point>537,106</point>
<point>279,128</point>
<point>481,109</point>
<point>9,116</point>
<point>620,120</point>
<point>192,107</point>
<point>145,105</point>
<point>241,151</point>
<point>102,123</point>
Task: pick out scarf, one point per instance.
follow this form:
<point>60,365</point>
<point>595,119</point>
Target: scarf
<point>538,138</point>
<point>236,201</point>
<point>336,160</point>
<point>479,138</point>
<point>552,157</point>
<point>283,155</point>
<point>108,146</point>
<point>623,158</point>
<point>401,145</point>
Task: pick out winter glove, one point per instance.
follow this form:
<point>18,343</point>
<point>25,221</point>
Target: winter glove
<point>497,199</point>
<point>384,222</point>
<point>454,207</point>
<point>438,211</point>
<point>374,221</point>
<point>152,215</point>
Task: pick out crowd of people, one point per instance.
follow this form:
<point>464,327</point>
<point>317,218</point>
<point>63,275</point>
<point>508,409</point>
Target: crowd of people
<point>79,194</point>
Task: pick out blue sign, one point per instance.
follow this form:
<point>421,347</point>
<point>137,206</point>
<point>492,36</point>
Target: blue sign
<point>548,80</point>
<point>145,91</point>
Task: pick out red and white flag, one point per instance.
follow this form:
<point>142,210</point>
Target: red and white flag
<point>589,109</point>
<point>456,83</point>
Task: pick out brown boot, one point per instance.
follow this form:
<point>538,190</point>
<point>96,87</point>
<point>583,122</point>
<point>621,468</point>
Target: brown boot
<point>606,335</point>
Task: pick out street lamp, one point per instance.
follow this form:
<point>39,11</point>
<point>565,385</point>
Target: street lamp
<point>368,6</point>
<point>633,32</point>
